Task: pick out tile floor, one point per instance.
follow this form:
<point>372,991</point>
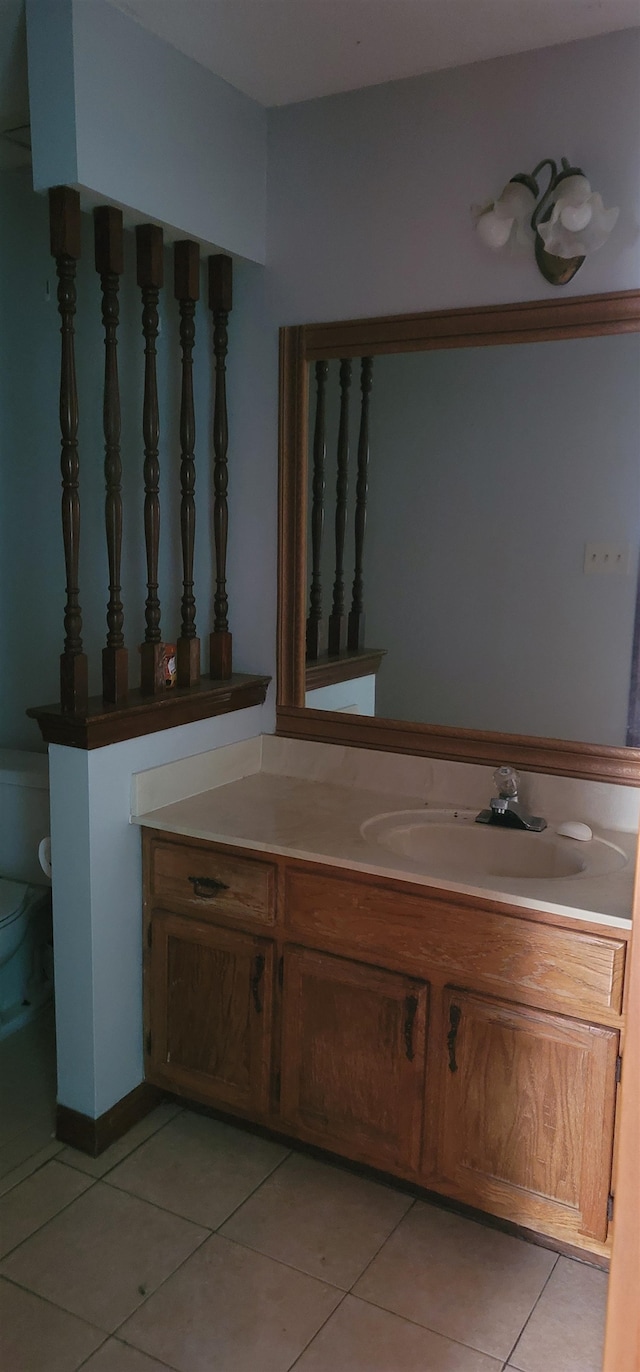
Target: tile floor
<point>193,1246</point>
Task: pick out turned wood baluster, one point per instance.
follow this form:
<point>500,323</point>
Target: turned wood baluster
<point>314,622</point>
<point>220,302</point>
<point>337,617</point>
<point>355,635</point>
<point>64,223</point>
<point>109,260</point>
<point>186,262</point>
<point>150,279</point>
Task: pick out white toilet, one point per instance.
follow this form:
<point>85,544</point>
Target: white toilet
<point>26,962</point>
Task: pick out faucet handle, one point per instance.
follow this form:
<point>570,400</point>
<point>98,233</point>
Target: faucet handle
<point>507,781</point>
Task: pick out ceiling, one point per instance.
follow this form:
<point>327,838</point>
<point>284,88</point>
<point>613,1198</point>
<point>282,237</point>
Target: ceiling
<point>282,51</point>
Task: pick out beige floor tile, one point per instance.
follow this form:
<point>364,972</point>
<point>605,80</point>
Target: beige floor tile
<point>321,1219</point>
<point>459,1278</point>
<point>98,1167</point>
<point>362,1338</point>
<point>199,1168</point>
<point>115,1356</point>
<point>566,1331</point>
<point>37,1200</point>
<point>37,1337</point>
<point>102,1255</point>
<point>231,1310</point>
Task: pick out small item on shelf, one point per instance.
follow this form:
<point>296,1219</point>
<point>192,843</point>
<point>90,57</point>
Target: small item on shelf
<point>169,669</point>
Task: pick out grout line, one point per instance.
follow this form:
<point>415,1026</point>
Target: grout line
<point>314,1336</point>
<point>38,1230</point>
<point>428,1328</point>
<point>177,1214</point>
<point>37,1168</point>
<point>384,1241</point>
<point>534,1307</point>
<point>170,1367</point>
<point>92,1354</point>
<point>12,1281</point>
<point>115,1333</point>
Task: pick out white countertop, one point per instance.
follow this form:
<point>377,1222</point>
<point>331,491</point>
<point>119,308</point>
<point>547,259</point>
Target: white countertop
<point>318,821</point>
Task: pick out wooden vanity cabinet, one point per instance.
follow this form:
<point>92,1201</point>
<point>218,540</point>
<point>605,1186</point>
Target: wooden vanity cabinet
<point>526,1114</point>
<point>210,1028</point>
<point>469,1047</point>
<point>353,1058</point>
<point>208,983</point>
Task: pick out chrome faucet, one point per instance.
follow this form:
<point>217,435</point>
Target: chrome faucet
<point>505,808</point>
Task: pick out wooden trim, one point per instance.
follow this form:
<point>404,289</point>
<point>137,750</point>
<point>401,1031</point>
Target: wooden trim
<point>326,671</point>
<point>92,1136</point>
<point>531,321</point>
<point>103,723</point>
<point>622,1341</point>
<point>292,497</point>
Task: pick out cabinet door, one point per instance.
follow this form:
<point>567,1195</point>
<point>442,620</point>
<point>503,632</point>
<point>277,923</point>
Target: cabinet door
<point>210,998</point>
<point>353,1049</point>
<point>527,1110</point>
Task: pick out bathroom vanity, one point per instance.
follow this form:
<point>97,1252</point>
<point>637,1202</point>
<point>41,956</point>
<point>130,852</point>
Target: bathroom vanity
<point>466,1042</point>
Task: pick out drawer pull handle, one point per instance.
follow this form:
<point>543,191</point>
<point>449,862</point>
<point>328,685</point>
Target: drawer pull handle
<point>411,1010</point>
<point>455,1015</point>
<point>207,888</point>
<point>258,971</point>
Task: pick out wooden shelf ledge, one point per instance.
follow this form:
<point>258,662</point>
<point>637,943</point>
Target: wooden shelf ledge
<point>326,670</point>
<point>102,724</point>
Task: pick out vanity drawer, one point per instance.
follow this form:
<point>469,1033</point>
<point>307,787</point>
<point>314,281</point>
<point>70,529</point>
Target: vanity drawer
<point>201,881</point>
<point>518,958</point>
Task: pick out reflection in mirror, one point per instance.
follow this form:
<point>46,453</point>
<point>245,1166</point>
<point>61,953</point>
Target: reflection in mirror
<point>501,546</point>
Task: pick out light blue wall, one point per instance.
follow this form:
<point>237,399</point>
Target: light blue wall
<point>119,112</point>
<point>370,193</point>
<point>52,106</point>
<point>97,887</point>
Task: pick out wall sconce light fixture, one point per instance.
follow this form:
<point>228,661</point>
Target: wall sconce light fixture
<point>563,224</point>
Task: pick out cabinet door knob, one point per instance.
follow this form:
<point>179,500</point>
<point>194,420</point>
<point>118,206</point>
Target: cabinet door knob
<point>258,970</point>
<point>207,888</point>
<point>455,1015</point>
<point>411,1009</point>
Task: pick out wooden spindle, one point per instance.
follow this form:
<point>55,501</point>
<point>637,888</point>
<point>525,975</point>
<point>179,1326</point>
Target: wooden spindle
<point>355,635</point>
<point>314,622</point>
<point>109,260</point>
<point>337,616</point>
<point>64,222</point>
<point>186,264</point>
<point>150,278</point>
<point>220,303</point>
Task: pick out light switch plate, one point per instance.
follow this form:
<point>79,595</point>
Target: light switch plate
<point>607,559</point>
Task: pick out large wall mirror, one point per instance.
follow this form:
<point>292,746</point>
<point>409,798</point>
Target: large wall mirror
<point>499,559</point>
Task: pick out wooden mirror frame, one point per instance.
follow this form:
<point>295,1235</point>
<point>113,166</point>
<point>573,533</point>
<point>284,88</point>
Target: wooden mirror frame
<point>535,321</point>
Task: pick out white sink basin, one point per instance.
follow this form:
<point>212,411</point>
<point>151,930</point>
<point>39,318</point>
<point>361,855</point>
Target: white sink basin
<point>449,844</point>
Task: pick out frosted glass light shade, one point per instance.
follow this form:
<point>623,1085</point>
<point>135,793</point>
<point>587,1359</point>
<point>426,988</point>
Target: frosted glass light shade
<point>579,222</point>
<point>505,221</point>
<point>493,230</point>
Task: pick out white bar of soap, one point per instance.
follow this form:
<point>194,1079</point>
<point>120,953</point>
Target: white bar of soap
<point>574,828</point>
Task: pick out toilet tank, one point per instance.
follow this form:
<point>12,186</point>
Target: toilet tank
<point>24,813</point>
